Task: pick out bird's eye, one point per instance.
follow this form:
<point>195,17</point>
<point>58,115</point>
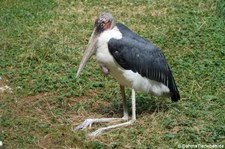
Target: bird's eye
<point>102,24</point>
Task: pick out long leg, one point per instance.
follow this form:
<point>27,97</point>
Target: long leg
<point>101,130</point>
<point>125,109</point>
<point>133,102</point>
<point>89,122</point>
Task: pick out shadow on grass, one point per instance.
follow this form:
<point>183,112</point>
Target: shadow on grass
<point>148,105</point>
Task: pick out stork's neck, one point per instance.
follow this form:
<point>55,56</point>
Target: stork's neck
<point>106,35</point>
<point>102,52</point>
<point>113,24</point>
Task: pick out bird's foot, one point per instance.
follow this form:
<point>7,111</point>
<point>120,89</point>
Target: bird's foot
<point>125,117</point>
<point>96,133</point>
<point>101,130</point>
<point>89,122</point>
<point>85,124</point>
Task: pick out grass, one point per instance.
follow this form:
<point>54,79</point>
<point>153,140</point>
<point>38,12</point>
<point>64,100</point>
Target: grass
<point>41,45</point>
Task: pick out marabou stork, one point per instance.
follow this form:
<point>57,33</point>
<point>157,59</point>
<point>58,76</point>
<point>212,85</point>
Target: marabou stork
<point>133,61</point>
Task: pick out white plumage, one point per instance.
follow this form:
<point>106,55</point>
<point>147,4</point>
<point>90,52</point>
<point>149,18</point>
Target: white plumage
<point>126,78</point>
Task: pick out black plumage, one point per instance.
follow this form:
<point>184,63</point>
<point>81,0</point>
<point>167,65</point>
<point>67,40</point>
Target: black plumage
<point>135,53</point>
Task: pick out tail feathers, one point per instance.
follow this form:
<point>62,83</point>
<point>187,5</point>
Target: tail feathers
<point>175,96</point>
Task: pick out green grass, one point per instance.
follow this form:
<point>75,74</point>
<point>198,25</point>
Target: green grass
<point>41,45</point>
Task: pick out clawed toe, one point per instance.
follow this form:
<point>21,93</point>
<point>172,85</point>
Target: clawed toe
<point>85,124</point>
<point>96,133</point>
<point>89,122</point>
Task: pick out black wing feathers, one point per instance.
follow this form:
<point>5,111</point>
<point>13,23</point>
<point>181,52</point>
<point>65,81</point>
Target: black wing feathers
<point>137,54</point>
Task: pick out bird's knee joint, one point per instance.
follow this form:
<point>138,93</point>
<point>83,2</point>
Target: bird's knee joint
<point>133,121</point>
<point>125,118</point>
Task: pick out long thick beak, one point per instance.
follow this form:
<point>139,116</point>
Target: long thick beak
<point>88,52</point>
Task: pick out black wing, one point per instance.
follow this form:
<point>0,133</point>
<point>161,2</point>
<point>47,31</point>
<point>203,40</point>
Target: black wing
<point>135,53</point>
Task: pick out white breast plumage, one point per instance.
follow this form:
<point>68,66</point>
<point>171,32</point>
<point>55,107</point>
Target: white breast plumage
<point>102,54</point>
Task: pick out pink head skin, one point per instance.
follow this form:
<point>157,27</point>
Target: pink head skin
<point>104,22</point>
